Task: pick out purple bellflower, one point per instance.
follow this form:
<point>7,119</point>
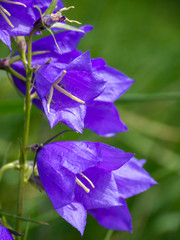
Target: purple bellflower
<point>81,177</point>
<point>99,114</point>
<point>17,17</point>
<point>65,88</point>
<point>5,234</point>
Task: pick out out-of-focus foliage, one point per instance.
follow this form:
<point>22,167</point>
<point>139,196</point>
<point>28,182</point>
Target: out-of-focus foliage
<point>140,38</point>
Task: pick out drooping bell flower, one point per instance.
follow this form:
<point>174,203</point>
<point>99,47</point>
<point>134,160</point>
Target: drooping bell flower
<point>64,90</point>
<point>81,177</point>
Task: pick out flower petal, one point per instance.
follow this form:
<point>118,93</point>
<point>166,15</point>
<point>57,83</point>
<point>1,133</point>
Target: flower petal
<point>75,214</point>
<point>115,218</point>
<point>117,82</point>
<point>67,41</point>
<point>57,181</point>
<point>5,38</point>
<point>103,118</point>
<point>132,179</point>
<point>65,110</point>
<point>74,156</point>
<point>5,234</point>
<point>80,80</point>
<point>105,193</point>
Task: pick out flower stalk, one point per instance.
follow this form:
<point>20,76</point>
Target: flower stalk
<point>22,159</point>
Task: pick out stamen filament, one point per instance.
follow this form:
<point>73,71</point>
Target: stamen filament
<point>58,81</point>
<point>84,176</point>
<point>12,2</point>
<point>60,89</point>
<point>6,18</point>
<point>82,185</point>
<point>50,98</point>
<point>5,11</point>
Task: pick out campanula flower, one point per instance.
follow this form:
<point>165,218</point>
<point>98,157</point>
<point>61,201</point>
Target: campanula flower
<point>99,114</point>
<point>81,177</point>
<point>65,88</point>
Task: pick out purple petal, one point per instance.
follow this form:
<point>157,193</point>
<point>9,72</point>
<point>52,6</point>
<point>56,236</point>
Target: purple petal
<point>103,118</point>
<point>65,110</point>
<point>74,156</point>
<point>115,218</point>
<point>113,158</point>
<point>5,38</point>
<point>57,181</point>
<point>132,179</point>
<point>41,59</point>
<point>117,82</point>
<point>75,214</point>
<point>80,81</point>
<point>23,22</point>
<point>105,193</point>
<point>5,234</point>
<point>67,41</point>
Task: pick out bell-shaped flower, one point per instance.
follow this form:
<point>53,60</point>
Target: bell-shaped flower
<point>102,116</point>
<point>65,88</point>
<point>84,176</point>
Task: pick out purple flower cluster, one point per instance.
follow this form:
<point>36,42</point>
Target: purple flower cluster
<point>72,88</point>
<point>75,89</point>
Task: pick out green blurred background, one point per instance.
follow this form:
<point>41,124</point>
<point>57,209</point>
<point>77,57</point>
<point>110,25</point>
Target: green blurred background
<point>141,39</point>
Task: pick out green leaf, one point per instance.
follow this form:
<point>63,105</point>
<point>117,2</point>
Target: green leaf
<point>51,7</point>
<point>66,27</point>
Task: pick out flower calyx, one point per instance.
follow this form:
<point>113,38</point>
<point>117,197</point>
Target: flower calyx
<point>47,21</point>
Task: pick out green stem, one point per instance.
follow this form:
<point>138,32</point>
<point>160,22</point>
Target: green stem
<point>16,74</point>
<point>138,97</point>
<point>7,166</point>
<point>30,49</point>
<point>109,234</point>
<point>22,159</point>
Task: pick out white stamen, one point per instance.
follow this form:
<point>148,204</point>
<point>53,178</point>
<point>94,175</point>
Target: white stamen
<point>84,176</point>
<point>12,2</point>
<point>82,185</point>
<point>50,98</point>
<point>6,18</point>
<point>60,89</point>
<point>58,81</point>
<point>5,11</point>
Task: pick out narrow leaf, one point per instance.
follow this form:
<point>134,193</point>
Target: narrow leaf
<point>51,7</point>
<point>66,27</point>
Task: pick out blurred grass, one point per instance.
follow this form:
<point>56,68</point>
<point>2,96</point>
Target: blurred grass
<point>140,38</point>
